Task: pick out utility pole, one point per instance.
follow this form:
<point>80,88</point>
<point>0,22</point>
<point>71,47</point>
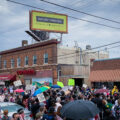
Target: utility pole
<point>98,54</point>
<point>77,52</point>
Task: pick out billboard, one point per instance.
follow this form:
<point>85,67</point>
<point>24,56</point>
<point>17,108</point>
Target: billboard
<point>50,22</point>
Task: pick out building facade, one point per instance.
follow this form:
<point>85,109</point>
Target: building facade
<point>75,63</point>
<point>105,72</point>
<point>46,62</point>
<point>36,62</point>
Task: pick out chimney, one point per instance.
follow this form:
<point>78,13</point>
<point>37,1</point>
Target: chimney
<point>88,47</point>
<point>24,43</point>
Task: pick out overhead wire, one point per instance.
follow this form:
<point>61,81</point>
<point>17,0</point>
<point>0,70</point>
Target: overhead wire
<point>92,48</point>
<point>68,15</point>
<point>84,5</point>
<point>80,11</point>
<point>103,49</point>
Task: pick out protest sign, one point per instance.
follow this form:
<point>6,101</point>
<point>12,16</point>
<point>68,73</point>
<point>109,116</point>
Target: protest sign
<point>28,87</point>
<point>71,82</point>
<point>41,97</point>
<point>84,85</point>
<point>60,84</point>
<point>2,83</point>
<point>17,83</point>
<point>2,97</point>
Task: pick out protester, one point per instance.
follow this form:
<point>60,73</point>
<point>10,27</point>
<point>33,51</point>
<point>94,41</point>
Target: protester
<point>15,116</point>
<point>108,104</point>
<point>50,115</point>
<point>35,107</point>
<point>114,90</point>
<point>5,116</point>
<point>57,104</point>
<point>21,114</point>
<point>116,110</point>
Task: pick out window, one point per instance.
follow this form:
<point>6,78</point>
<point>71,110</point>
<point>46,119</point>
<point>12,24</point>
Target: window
<point>46,58</point>
<point>34,59</point>
<point>18,62</point>
<point>12,63</point>
<point>26,60</point>
<point>5,64</point>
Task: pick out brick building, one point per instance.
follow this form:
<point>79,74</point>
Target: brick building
<point>30,63</point>
<point>46,61</point>
<point>105,72</point>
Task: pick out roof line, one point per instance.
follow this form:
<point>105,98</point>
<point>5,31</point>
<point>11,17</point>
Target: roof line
<point>106,59</point>
<point>30,46</point>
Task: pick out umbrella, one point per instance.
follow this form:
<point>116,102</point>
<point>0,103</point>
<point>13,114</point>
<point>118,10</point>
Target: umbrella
<point>55,86</point>
<point>79,109</point>
<point>19,90</point>
<point>40,90</point>
<point>101,91</point>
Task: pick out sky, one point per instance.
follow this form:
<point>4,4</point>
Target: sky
<point>14,21</point>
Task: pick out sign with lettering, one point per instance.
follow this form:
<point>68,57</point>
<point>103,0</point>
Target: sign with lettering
<point>71,82</point>
<point>84,85</point>
<point>41,97</point>
<point>2,97</point>
<point>26,72</point>
<point>17,83</point>
<point>28,87</point>
<point>2,83</point>
<point>50,22</point>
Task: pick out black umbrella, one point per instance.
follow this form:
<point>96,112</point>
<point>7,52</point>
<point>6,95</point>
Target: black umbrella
<point>79,109</point>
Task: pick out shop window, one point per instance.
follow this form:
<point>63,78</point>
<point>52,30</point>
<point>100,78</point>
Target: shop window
<point>46,58</point>
<point>12,63</point>
<point>34,59</point>
<point>5,64</point>
<point>18,62</point>
<point>26,60</point>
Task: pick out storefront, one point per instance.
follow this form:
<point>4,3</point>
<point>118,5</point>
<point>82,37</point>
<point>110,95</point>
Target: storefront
<point>7,79</point>
<point>36,76</point>
<point>105,73</point>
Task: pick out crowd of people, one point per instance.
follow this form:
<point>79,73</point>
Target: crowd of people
<point>55,99</point>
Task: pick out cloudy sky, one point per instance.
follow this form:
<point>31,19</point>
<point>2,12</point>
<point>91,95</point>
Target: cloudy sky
<point>14,21</point>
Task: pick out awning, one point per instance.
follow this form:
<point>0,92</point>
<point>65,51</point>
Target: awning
<point>7,77</point>
<point>105,75</point>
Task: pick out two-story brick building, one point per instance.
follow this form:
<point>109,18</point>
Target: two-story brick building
<point>30,62</point>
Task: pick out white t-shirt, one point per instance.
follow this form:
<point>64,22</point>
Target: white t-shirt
<point>57,105</point>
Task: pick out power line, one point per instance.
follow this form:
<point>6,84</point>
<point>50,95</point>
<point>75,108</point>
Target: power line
<point>114,47</point>
<point>106,45</point>
<point>68,15</point>
<point>94,22</point>
<point>86,3</point>
<point>80,11</point>
<point>103,49</point>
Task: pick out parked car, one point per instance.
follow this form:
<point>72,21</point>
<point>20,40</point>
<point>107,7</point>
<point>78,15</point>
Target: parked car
<point>13,108</point>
